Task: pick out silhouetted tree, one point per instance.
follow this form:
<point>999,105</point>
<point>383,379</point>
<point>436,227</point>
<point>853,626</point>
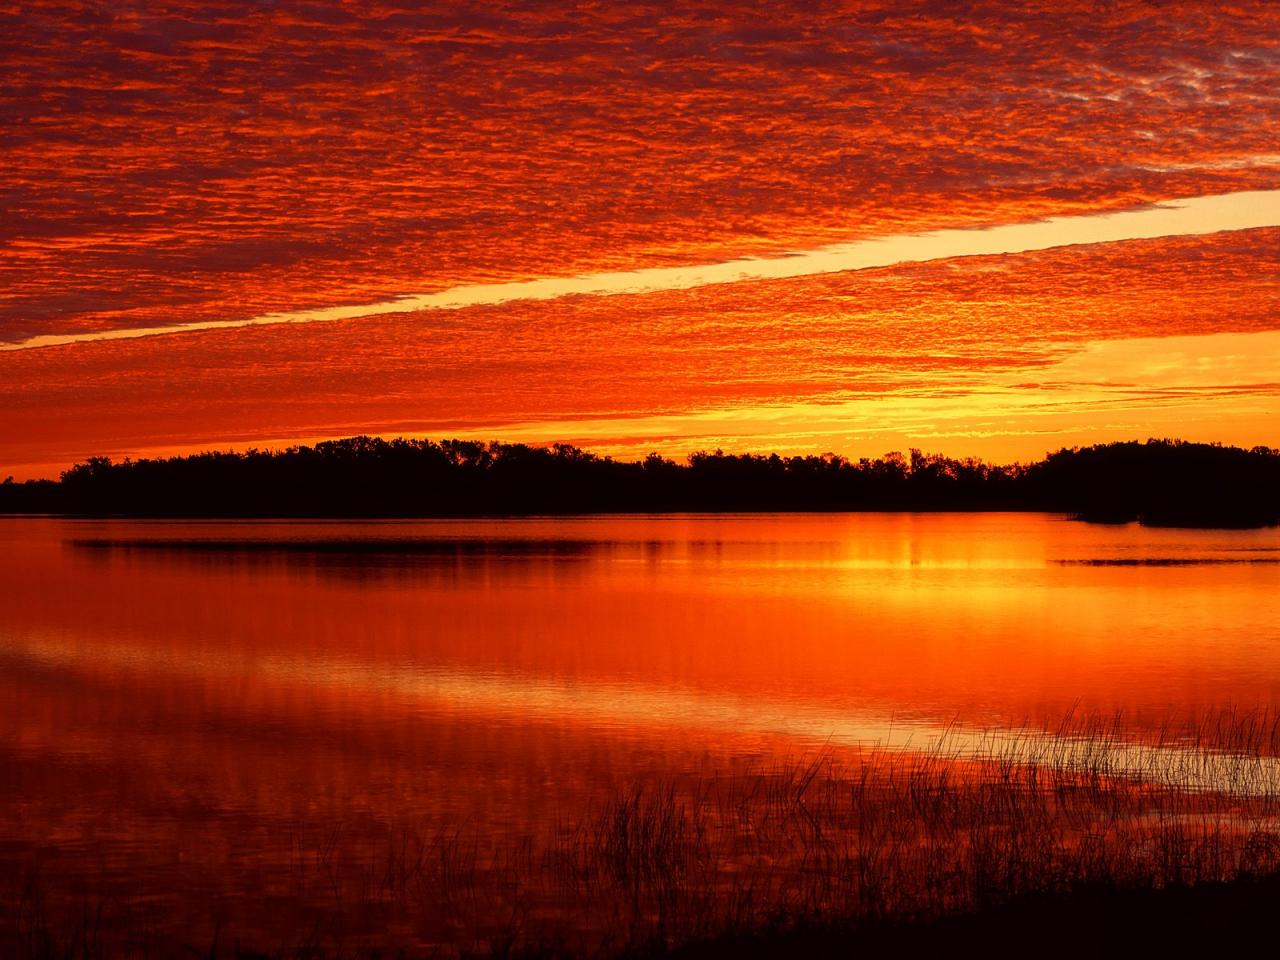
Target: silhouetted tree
<point>1157,482</point>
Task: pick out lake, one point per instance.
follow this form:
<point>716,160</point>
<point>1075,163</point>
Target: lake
<point>195,714</point>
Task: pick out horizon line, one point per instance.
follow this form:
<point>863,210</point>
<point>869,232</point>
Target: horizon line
<point>285,447</point>
<point>1191,216</point>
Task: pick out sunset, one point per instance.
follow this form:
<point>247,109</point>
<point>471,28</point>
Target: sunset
<point>628,480</point>
<point>637,228</point>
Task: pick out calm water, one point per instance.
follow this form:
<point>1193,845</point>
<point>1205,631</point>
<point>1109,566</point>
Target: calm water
<point>185,706</point>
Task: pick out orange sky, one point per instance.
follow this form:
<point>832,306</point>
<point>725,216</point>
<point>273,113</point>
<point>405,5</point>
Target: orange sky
<point>213,163</point>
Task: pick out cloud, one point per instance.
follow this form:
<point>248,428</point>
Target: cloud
<point>686,366</point>
<point>1192,217</point>
<point>225,160</point>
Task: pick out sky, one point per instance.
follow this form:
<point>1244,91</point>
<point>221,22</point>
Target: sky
<point>975,228</point>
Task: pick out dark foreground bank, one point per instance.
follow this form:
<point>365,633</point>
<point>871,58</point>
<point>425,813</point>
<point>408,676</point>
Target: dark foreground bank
<point>1159,482</point>
<point>1236,918</point>
<point>1025,851</point>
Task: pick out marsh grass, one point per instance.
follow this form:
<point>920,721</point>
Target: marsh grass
<point>969,822</point>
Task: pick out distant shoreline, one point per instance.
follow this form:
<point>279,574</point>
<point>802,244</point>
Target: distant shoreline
<point>1158,483</point>
<point>620,514</point>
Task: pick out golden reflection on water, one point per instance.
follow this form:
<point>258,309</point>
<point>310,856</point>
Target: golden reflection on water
<point>992,617</point>
<point>180,701</point>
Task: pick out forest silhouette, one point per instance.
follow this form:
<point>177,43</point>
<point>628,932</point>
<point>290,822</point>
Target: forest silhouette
<point>1157,482</point>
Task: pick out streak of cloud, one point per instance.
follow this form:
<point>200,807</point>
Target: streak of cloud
<point>1192,217</point>
<point>942,329</point>
<point>167,166</point>
<point>208,161</point>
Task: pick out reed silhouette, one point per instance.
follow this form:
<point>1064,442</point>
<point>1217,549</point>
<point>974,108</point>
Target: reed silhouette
<point>1087,837</point>
<point>1159,482</point>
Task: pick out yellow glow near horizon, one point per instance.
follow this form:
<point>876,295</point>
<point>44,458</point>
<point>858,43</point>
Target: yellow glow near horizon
<point>1216,387</point>
<point>1200,384</point>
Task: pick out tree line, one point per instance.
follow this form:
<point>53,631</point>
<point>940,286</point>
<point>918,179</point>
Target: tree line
<point>1161,482</point>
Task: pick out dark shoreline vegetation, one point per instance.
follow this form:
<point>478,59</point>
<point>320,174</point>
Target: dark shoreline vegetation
<point>1158,483</point>
<point>1102,837</point>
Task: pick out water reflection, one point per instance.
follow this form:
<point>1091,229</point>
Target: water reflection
<point>179,700</point>
<point>989,617</point>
